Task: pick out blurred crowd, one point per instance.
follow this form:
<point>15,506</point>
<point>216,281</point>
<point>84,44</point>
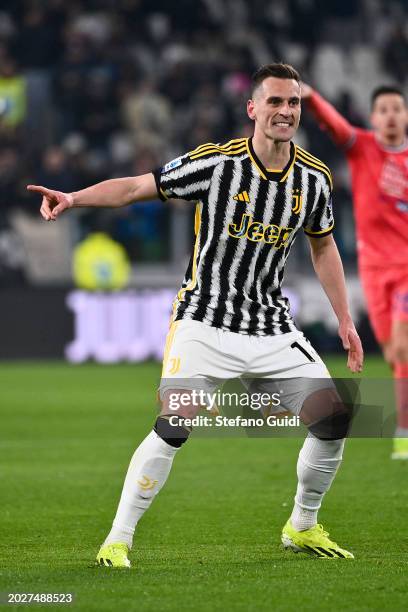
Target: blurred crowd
<point>95,89</point>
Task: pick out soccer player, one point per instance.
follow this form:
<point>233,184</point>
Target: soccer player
<point>378,162</point>
<point>230,319</point>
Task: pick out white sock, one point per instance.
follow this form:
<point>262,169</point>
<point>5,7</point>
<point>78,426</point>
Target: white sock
<point>147,473</point>
<point>317,465</point>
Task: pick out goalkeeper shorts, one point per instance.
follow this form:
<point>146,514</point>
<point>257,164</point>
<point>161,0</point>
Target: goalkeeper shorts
<point>386,292</point>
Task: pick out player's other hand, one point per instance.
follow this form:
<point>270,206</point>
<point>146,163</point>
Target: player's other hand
<point>352,344</point>
<point>53,203</point>
<point>306,90</point>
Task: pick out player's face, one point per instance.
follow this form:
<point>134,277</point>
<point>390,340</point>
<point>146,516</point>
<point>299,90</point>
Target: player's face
<point>389,116</point>
<point>275,108</point>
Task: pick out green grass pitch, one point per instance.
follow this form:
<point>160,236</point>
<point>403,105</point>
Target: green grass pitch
<point>211,540</point>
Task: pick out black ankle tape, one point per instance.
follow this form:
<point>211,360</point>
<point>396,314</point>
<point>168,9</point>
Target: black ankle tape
<point>173,434</point>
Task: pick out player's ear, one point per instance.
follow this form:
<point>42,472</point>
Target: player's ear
<point>251,109</point>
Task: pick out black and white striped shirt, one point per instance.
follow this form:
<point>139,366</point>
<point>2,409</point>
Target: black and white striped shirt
<point>247,217</point>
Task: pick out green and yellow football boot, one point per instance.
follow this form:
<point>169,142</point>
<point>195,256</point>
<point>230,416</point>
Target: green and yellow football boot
<point>113,555</point>
<point>400,448</point>
<point>314,542</point>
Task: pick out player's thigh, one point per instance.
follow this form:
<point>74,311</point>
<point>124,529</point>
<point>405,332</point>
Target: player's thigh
<point>194,366</point>
<point>324,406</point>
<point>378,294</point>
<point>289,370</point>
<point>318,403</point>
<point>399,334</point>
<point>194,349</point>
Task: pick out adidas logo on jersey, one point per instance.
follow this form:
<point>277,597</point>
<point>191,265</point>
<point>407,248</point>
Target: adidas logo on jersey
<point>241,197</point>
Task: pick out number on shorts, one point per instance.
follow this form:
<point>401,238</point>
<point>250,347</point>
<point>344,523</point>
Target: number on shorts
<point>303,350</point>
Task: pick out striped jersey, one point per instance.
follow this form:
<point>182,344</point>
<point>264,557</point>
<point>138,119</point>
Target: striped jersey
<point>247,218</point>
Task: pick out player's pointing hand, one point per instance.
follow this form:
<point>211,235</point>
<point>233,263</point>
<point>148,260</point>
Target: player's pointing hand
<point>53,203</point>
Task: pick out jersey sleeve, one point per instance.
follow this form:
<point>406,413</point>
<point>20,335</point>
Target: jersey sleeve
<point>184,178</point>
<point>320,222</point>
<point>357,147</point>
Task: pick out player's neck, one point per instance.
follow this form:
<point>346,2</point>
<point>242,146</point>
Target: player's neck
<point>272,153</point>
<point>391,141</point>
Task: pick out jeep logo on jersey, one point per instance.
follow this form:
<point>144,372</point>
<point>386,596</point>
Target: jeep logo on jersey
<point>254,230</point>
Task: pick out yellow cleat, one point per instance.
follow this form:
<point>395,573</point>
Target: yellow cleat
<point>314,542</point>
<point>400,448</point>
<point>113,555</point>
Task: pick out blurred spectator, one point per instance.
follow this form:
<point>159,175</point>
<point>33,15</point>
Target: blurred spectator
<point>56,172</point>
<point>100,263</point>
<point>143,227</point>
<point>98,109</point>
<point>9,181</point>
<point>13,95</point>
<point>39,44</point>
<point>179,81</point>
<point>205,109</point>
<point>70,80</point>
<point>12,258</point>
<point>146,114</point>
<point>396,54</point>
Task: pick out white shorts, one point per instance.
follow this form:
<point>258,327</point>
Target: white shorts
<point>201,357</point>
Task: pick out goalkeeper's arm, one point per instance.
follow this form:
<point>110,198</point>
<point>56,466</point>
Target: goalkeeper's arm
<point>112,193</point>
<point>341,131</point>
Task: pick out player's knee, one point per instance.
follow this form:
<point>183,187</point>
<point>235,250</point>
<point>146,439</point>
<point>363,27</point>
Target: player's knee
<point>170,429</point>
<point>334,424</point>
<point>387,352</point>
<point>399,343</point>
<point>400,353</point>
<point>327,415</point>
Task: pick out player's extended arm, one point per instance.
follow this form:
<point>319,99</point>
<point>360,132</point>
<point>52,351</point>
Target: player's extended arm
<point>328,117</point>
<point>112,193</point>
<point>329,269</point>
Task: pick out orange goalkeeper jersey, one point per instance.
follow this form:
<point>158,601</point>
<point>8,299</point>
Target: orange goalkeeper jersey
<point>380,188</point>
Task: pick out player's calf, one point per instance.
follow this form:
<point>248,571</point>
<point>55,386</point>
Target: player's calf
<point>399,346</point>
<point>328,419</point>
<point>147,473</point>
<point>400,353</point>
